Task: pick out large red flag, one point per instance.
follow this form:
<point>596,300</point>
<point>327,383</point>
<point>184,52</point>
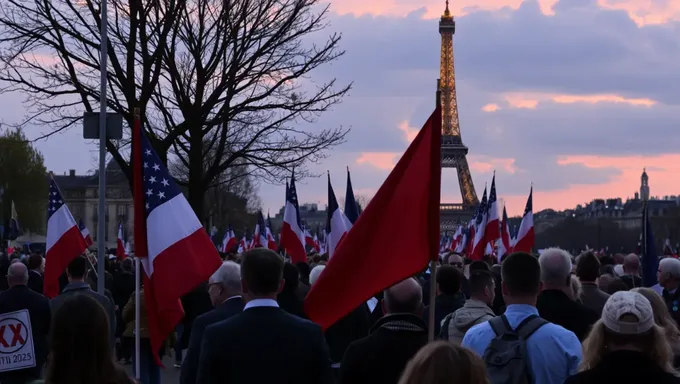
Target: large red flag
<point>393,239</point>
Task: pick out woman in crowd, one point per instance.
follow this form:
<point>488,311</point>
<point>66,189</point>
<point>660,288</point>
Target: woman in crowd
<point>442,362</point>
<point>664,320</point>
<point>79,354</point>
<point>626,345</point>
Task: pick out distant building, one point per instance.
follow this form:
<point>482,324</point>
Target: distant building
<point>81,193</point>
<point>644,186</point>
<point>310,215</point>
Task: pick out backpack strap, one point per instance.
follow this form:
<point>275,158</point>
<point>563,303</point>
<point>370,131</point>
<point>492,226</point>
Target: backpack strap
<point>530,325</point>
<point>444,330</point>
<point>500,325</point>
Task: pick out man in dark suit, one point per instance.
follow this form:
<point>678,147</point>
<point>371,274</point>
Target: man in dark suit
<point>263,344</point>
<point>393,340</point>
<point>19,297</point>
<point>76,272</point>
<point>36,264</point>
<point>224,287</point>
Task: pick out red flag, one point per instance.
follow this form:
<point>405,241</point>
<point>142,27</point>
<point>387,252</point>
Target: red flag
<point>174,248</point>
<point>393,239</point>
<point>525,236</point>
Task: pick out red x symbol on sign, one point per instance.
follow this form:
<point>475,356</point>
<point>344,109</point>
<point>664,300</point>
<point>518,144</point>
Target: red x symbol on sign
<point>16,335</point>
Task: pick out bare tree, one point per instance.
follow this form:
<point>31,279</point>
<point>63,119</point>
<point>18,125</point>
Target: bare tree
<point>235,74</point>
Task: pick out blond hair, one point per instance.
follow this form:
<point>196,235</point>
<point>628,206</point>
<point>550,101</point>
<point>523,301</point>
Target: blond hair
<point>444,362</point>
<point>601,341</point>
<point>661,316</point>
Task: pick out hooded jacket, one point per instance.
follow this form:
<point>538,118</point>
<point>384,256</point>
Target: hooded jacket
<point>457,323</point>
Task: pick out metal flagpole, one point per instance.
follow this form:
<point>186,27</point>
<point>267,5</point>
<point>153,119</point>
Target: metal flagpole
<point>137,316</point>
<point>433,264</point>
<point>101,214</point>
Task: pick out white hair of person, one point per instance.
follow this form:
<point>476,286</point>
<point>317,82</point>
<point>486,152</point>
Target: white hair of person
<point>18,272</point>
<point>315,273</point>
<point>555,266</point>
<point>671,267</point>
<point>228,275</point>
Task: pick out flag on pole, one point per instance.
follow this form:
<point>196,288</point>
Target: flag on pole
<point>525,236</point>
<point>292,237</point>
<point>229,241</point>
<point>85,233</point>
<point>394,238</point>
<point>336,221</point>
<point>14,227</point>
<point>351,208</point>
<point>64,240</point>
<point>174,248</point>
<point>492,232</point>
<point>121,252</point>
<point>271,241</point>
<point>480,230</point>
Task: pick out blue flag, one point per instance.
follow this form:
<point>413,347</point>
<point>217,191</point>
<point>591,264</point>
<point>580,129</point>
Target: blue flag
<point>650,259</point>
<point>351,208</point>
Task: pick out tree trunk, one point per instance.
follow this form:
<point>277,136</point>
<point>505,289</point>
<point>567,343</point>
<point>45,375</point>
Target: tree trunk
<point>196,183</point>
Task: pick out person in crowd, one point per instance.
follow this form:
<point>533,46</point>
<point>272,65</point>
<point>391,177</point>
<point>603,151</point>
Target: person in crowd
<point>457,262</point>
<point>19,297</point>
<point>76,273</point>
<point>442,362</point>
<point>294,349</point>
<point>303,288</point>
<point>616,285</point>
<point>664,320</point>
<point>123,288</point>
<point>476,310</point>
<point>554,303</point>
<point>575,288</point>
<point>78,353</point>
<point>225,294</point>
<point>195,303</point>
<point>553,353</point>
<point>668,276</point>
<point>339,336</point>
<point>289,299</point>
<point>626,346</point>
<point>149,372</point>
<point>381,356</point>
<point>588,271</point>
<point>36,265</point>
<point>448,299</point>
<point>631,271</point>
<point>498,305</point>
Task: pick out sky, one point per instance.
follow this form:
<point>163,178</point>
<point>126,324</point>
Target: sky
<point>574,96</point>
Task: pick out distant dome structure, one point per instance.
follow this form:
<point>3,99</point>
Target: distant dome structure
<point>644,185</point>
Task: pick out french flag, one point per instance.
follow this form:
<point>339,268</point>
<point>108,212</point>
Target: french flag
<point>336,222</point>
<point>85,233</point>
<point>174,249</point>
<point>121,252</point>
<point>525,235</point>
<point>480,231</point>
<point>229,241</point>
<point>243,244</point>
<point>457,238</point>
<point>309,239</point>
<point>260,235</point>
<point>505,245</point>
<point>492,231</point>
<point>64,240</point>
<point>317,247</point>
<point>292,237</point>
<point>271,241</point>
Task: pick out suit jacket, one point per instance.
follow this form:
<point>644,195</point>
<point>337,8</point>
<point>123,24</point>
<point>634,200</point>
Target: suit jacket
<point>229,308</point>
<point>593,297</point>
<point>556,307</point>
<point>195,303</point>
<point>381,357</point>
<point>38,306</point>
<point>264,345</point>
<point>35,281</point>
<point>82,288</point>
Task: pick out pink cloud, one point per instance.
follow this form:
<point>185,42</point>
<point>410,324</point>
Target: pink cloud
<point>531,100</point>
<point>491,107</point>
<point>379,160</point>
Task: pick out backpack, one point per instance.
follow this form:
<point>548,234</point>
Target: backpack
<point>506,357</point>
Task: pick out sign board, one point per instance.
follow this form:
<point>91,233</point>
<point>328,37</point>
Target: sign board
<point>16,341</point>
<point>114,125</point>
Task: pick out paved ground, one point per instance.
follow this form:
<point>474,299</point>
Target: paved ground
<point>169,374</point>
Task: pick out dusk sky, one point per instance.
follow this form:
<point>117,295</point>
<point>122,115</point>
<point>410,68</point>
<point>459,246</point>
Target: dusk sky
<point>576,96</point>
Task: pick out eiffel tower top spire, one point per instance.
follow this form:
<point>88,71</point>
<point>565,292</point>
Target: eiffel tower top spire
<point>447,13</point>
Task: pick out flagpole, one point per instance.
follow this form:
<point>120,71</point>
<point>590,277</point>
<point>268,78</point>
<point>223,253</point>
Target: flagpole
<point>101,215</point>
<point>137,317</point>
<point>433,263</point>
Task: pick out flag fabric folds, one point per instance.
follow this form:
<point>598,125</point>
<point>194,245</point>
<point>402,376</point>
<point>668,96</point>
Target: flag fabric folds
<point>480,230</point>
<point>121,252</point>
<point>525,236</point>
<point>229,240</point>
<point>292,237</point>
<point>64,240</point>
<point>394,238</point>
<point>650,260</point>
<point>336,221</point>
<point>504,246</point>
<point>86,234</point>
<point>14,226</point>
<point>351,208</point>
<point>271,241</point>
<point>492,232</point>
<point>174,249</point>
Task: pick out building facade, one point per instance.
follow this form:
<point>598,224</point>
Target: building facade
<point>81,193</point>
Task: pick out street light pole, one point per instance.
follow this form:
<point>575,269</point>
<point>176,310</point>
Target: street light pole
<point>101,227</point>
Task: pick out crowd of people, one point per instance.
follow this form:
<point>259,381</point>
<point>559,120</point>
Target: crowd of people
<point>547,319</point>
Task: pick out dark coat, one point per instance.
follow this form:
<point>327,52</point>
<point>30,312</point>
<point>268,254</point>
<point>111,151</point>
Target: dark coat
<point>290,302</point>
<point>673,304</point>
<point>35,281</point>
<point>624,367</point>
<point>556,307</point>
<point>381,357</point>
<point>84,289</point>
<point>593,297</point>
<point>632,281</point>
<point>224,311</point>
<point>264,345</point>
<point>443,305</point>
<point>195,303</point>
<point>38,306</point>
<point>354,326</point>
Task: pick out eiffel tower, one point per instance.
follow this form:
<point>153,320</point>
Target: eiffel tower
<point>454,152</point>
